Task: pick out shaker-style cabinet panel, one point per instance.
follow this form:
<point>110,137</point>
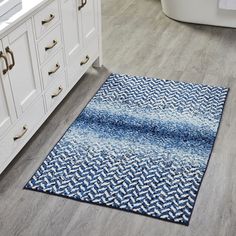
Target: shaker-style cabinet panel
<point>72,31</point>
<point>7,112</point>
<point>23,74</point>
<point>80,30</point>
<point>89,13</point>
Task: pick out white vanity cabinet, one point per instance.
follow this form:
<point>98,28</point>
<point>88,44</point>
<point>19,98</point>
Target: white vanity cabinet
<point>23,74</point>
<point>21,104</point>
<point>89,12</point>
<point>81,35</point>
<point>45,49</point>
<point>20,83</point>
<point>7,111</point>
<point>72,28</point>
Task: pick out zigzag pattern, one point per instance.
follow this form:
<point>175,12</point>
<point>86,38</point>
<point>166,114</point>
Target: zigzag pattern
<point>155,94</point>
<point>115,153</point>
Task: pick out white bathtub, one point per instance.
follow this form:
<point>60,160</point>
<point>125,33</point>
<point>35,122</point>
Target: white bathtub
<point>199,11</point>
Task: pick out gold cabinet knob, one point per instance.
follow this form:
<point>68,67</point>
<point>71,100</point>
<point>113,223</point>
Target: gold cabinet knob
<point>24,130</point>
<point>51,17</point>
<point>55,70</point>
<point>60,89</point>
<point>54,43</point>
<point>4,71</point>
<point>85,61</point>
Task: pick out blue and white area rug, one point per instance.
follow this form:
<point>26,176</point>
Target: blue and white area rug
<point>141,145</point>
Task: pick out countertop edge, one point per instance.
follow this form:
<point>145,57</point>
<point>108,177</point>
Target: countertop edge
<point>22,14</point>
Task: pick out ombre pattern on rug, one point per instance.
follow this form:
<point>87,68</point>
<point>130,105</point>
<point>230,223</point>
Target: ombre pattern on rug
<point>141,145</point>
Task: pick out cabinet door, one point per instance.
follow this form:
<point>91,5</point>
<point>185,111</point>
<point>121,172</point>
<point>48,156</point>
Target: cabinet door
<point>89,20</point>
<point>7,112</point>
<point>72,31</point>
<point>23,74</point>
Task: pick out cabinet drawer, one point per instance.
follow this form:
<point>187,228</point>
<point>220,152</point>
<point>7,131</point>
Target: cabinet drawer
<point>46,18</point>
<point>53,69</point>
<point>21,132</point>
<point>55,93</point>
<point>49,44</point>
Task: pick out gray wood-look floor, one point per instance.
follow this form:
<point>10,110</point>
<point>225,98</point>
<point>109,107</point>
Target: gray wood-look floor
<point>137,39</point>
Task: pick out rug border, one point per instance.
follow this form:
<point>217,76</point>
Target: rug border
<point>104,205</point>
<point>125,210</point>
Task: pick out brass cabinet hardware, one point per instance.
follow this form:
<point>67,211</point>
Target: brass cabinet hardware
<point>83,3</point>
<point>24,130</point>
<point>4,71</point>
<point>57,93</point>
<point>55,70</point>
<point>8,50</point>
<point>54,43</point>
<point>85,61</point>
<point>51,17</point>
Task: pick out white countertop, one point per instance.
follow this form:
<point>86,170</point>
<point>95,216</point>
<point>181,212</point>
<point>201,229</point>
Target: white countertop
<point>27,7</point>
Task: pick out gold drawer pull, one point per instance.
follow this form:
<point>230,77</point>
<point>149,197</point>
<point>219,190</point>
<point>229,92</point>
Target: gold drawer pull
<point>57,93</point>
<point>22,133</point>
<point>85,61</point>
<point>8,50</point>
<point>54,43</point>
<point>55,70</point>
<point>4,71</point>
<point>83,3</point>
<point>51,17</point>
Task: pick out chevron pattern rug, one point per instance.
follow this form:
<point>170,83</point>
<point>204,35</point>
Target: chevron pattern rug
<point>141,145</point>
